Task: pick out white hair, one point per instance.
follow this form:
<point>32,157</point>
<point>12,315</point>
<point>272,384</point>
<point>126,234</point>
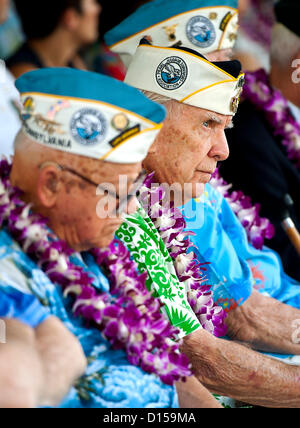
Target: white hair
<point>284,47</point>
<point>169,103</point>
<point>157,98</point>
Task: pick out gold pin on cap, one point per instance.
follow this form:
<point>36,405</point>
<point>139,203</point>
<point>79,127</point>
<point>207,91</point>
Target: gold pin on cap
<point>120,122</point>
<point>171,32</point>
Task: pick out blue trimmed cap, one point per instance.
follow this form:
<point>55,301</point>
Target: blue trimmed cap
<point>202,25</point>
<point>88,114</point>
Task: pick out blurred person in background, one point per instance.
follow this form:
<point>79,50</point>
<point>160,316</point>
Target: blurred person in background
<point>57,40</point>
<point>11,35</point>
<point>9,118</point>
<point>4,6</point>
<point>256,18</point>
<point>264,144</point>
<point>99,57</point>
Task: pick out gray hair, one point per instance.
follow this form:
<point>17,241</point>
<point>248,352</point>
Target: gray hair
<point>21,140</point>
<point>157,98</point>
<point>169,103</point>
<point>284,47</point>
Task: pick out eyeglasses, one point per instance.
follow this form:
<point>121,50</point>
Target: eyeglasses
<point>123,202</point>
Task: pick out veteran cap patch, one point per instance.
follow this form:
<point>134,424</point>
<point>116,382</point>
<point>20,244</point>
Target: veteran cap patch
<point>202,25</point>
<point>88,114</point>
<point>187,76</point>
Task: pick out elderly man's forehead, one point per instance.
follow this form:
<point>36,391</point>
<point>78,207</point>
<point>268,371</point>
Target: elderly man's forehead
<point>202,113</point>
<point>107,171</point>
<point>95,169</point>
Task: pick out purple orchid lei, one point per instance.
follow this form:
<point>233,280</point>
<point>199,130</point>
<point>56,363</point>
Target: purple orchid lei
<point>258,21</point>
<point>171,225</point>
<point>258,91</point>
<point>129,317</point>
<point>258,228</point>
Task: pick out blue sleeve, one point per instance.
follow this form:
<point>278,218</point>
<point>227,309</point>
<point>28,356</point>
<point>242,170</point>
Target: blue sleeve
<point>24,307</point>
<point>220,242</point>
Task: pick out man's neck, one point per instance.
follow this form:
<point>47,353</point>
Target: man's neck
<point>48,51</point>
<point>282,80</point>
<point>177,196</point>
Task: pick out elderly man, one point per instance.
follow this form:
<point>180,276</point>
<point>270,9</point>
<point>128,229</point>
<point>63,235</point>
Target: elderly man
<point>178,156</point>
<point>9,98</point>
<point>264,143</point>
<point>81,129</point>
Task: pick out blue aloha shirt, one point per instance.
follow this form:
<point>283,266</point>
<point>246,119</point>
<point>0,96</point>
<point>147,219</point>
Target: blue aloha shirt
<point>27,294</point>
<point>235,267</point>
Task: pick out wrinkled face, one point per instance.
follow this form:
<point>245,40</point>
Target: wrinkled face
<point>87,28</point>
<point>187,149</point>
<point>4,6</point>
<point>87,212</point>
<point>83,198</point>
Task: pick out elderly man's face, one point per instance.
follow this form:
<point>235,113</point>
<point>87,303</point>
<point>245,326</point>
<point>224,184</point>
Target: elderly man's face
<point>88,212</point>
<point>4,6</point>
<point>188,148</point>
<point>86,23</point>
<point>65,188</point>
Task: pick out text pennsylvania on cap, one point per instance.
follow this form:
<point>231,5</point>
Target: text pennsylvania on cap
<point>88,114</point>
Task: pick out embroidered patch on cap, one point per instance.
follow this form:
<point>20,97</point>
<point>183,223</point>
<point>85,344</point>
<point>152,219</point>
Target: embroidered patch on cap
<point>205,26</point>
<point>188,77</point>
<point>171,73</point>
<point>201,32</point>
<point>88,126</point>
<point>88,114</point>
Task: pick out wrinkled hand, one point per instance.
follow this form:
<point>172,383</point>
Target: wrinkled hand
<point>38,367</point>
<point>62,358</point>
<point>21,371</point>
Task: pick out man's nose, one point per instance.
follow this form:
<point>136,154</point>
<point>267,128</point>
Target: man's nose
<point>220,149</point>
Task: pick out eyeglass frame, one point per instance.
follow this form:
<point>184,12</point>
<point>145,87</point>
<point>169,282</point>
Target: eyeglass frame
<point>123,202</point>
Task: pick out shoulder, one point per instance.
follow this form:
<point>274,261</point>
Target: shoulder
<point>21,306</point>
<point>19,272</point>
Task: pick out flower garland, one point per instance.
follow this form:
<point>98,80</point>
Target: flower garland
<point>170,224</point>
<point>258,21</point>
<point>258,91</point>
<point>257,228</point>
<point>130,318</point>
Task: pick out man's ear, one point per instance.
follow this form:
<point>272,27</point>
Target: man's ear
<point>48,186</point>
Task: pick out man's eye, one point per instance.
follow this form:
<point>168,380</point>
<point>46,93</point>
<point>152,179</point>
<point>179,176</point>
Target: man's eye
<point>206,124</point>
